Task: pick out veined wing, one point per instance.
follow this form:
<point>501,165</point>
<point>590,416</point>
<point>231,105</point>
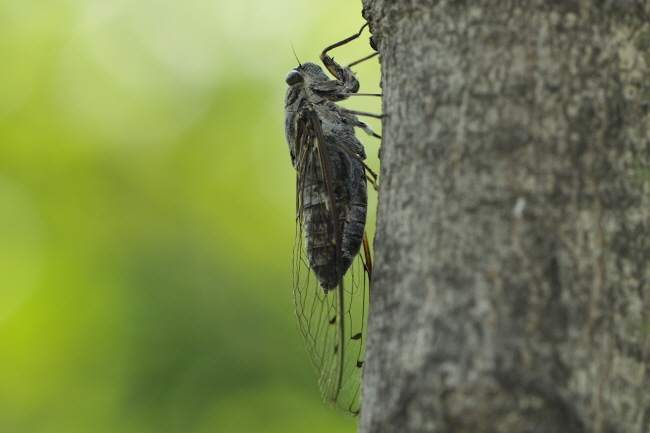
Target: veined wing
<point>330,279</point>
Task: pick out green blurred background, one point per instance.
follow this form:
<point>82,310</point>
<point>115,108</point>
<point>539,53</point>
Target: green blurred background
<point>147,206</point>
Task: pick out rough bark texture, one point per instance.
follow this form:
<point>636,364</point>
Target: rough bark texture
<point>511,288</point>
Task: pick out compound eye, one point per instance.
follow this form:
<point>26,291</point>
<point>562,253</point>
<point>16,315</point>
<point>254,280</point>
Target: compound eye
<point>294,77</point>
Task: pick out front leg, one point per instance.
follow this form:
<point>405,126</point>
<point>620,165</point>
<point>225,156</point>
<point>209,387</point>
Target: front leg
<point>343,73</point>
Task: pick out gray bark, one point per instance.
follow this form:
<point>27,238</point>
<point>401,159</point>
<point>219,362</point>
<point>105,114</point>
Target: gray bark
<point>511,286</point>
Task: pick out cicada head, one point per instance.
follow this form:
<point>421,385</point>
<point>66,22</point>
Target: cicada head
<point>307,75</point>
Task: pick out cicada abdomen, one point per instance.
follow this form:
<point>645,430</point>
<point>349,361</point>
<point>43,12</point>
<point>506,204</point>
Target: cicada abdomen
<point>333,205</point>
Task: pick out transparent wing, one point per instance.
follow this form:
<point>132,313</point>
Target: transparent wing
<point>331,321</point>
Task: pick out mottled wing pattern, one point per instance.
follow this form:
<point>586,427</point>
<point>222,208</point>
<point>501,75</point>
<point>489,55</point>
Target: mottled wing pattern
<point>331,319</point>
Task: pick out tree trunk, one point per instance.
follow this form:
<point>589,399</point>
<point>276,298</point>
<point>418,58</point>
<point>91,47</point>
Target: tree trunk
<point>511,287</point>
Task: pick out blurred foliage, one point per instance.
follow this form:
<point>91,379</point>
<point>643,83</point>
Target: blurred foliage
<point>147,212</point>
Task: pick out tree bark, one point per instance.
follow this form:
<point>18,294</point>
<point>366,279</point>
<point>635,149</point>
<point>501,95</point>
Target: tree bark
<point>511,286</point>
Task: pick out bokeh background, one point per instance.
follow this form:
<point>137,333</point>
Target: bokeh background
<point>147,214</point>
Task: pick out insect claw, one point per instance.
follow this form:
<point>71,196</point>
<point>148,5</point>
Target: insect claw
<point>376,187</point>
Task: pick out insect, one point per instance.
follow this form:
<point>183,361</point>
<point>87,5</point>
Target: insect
<point>330,276</point>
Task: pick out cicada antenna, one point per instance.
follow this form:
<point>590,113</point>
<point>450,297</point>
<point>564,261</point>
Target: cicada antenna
<point>294,53</point>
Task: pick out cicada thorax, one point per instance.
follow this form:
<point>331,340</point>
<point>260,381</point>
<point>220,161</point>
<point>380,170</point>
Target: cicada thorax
<point>331,249</point>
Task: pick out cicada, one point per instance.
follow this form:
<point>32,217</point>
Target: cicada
<point>330,275</point>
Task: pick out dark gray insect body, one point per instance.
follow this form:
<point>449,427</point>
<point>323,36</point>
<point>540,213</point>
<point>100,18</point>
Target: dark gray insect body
<point>314,126</point>
<point>332,204</point>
